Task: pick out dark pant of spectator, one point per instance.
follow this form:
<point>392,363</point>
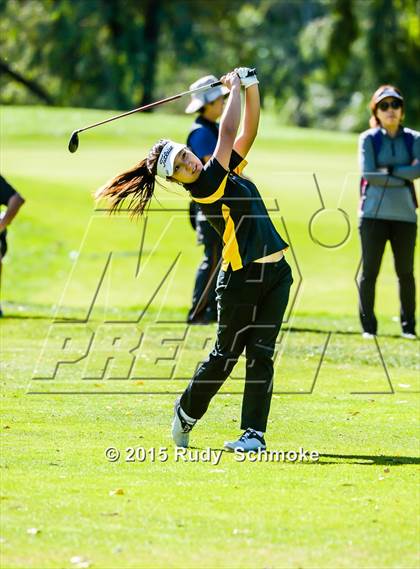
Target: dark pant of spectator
<point>374,233</point>
<point>204,306</point>
<point>3,243</point>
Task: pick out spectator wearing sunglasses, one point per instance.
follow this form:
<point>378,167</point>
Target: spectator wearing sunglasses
<point>389,156</point>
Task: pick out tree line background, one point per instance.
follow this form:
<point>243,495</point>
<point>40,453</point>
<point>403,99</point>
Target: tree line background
<point>318,60</point>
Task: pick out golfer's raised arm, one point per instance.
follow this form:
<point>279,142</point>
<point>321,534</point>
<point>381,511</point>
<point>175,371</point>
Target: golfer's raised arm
<point>251,117</point>
<point>229,123</point>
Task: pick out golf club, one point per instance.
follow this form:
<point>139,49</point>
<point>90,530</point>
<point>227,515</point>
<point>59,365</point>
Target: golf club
<point>74,139</point>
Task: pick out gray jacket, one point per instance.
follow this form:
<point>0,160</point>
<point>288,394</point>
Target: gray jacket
<point>389,197</point>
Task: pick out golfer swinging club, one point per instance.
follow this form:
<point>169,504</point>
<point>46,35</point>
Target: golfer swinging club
<point>254,281</point>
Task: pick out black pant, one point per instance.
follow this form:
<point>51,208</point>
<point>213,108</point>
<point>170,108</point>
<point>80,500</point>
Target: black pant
<point>374,233</point>
<point>204,305</point>
<point>3,243</point>
<point>251,304</point>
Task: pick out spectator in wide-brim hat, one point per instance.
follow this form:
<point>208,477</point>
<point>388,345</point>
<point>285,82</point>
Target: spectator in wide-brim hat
<point>203,98</point>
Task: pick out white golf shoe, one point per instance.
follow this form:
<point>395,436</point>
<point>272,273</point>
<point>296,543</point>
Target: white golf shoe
<point>249,441</point>
<point>368,336</point>
<point>180,427</point>
<point>409,336</point>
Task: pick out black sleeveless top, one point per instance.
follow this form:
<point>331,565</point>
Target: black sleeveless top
<point>234,207</point>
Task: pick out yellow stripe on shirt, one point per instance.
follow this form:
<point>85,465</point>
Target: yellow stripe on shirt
<point>216,195</point>
<point>230,252</point>
<point>240,167</point>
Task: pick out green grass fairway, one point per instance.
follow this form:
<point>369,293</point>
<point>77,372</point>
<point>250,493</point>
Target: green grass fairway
<point>63,504</point>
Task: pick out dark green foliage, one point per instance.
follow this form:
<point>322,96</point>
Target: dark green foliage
<point>318,60</point>
<point>344,32</point>
<point>393,48</point>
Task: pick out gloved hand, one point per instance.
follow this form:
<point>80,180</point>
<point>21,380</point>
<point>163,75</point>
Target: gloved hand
<point>246,82</point>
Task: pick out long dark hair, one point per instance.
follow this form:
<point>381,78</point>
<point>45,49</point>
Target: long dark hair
<point>136,184</point>
<point>374,121</point>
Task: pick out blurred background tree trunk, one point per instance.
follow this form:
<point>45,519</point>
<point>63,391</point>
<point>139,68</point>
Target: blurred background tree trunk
<point>151,49</point>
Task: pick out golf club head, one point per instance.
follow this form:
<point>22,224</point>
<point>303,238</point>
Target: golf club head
<point>74,142</point>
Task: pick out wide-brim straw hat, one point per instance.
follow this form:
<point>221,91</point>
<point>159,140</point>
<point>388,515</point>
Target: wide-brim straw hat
<point>198,100</point>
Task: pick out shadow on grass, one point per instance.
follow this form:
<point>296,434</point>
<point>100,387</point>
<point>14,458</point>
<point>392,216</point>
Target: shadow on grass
<point>368,459</point>
<point>326,458</point>
<point>6,317</point>
<point>339,332</point>
<point>293,329</point>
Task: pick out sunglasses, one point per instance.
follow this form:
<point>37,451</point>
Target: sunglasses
<point>395,104</point>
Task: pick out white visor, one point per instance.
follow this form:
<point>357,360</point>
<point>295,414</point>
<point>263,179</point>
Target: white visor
<point>165,164</point>
<point>388,92</point>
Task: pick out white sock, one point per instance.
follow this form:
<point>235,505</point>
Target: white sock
<point>259,433</point>
<point>189,419</point>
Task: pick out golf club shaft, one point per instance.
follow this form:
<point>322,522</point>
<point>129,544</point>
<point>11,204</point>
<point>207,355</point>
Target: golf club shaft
<point>150,106</point>
<point>155,104</point>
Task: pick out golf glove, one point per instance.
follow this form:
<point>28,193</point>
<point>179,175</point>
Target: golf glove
<point>246,81</point>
